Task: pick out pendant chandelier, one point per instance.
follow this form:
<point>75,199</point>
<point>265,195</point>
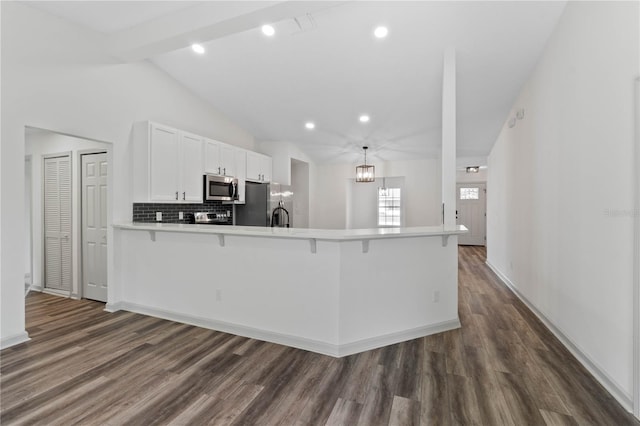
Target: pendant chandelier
<point>365,173</point>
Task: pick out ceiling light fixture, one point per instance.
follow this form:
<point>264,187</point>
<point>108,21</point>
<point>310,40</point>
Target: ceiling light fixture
<point>197,48</point>
<point>364,118</point>
<point>473,169</point>
<point>365,173</point>
<point>268,30</point>
<point>381,32</point>
<point>309,125</point>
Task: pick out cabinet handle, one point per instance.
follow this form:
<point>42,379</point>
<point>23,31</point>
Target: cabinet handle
<point>176,195</point>
<point>184,195</point>
<point>218,170</point>
<point>224,171</point>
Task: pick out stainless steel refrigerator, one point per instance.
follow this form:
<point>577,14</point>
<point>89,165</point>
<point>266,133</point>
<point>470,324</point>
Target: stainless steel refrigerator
<point>256,209</point>
<point>260,200</point>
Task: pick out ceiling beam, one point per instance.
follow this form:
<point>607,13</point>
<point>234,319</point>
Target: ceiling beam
<point>204,22</point>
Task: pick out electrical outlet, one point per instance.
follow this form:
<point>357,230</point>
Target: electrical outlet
<point>180,215</point>
<point>158,216</point>
<point>436,296</point>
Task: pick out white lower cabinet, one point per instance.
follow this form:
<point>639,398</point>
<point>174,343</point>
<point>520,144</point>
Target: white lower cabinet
<point>167,164</point>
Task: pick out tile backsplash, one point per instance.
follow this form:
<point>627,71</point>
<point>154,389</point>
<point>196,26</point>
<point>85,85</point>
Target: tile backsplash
<point>146,212</point>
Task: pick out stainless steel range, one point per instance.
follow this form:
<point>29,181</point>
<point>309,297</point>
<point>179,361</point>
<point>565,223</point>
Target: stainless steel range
<point>209,218</point>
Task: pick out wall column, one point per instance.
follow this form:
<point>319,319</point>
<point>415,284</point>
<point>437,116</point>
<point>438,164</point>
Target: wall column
<point>449,138</point>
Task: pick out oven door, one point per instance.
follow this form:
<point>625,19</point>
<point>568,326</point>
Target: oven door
<point>220,188</point>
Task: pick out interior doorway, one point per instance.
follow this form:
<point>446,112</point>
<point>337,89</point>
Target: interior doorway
<point>471,211</point>
<point>69,248</point>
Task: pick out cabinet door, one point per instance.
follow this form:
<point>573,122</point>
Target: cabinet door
<point>163,164</point>
<point>212,157</point>
<point>241,173</point>
<point>227,160</point>
<point>254,166</point>
<point>191,168</point>
<point>266,168</point>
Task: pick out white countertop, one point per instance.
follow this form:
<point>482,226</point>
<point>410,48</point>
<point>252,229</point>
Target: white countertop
<point>297,233</point>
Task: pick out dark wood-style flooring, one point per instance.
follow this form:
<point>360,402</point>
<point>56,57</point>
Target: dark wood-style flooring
<point>503,367</point>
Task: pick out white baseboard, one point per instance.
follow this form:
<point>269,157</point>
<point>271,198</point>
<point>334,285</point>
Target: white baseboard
<point>240,330</point>
<point>113,307</point>
<point>53,292</point>
<point>393,338</point>
<point>16,339</point>
<point>601,376</point>
<point>285,339</point>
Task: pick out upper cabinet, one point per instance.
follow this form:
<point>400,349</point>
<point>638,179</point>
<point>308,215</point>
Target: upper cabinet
<point>258,167</point>
<point>190,168</point>
<point>219,158</point>
<point>167,164</point>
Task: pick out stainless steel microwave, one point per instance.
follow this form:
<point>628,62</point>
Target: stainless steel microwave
<point>220,188</point>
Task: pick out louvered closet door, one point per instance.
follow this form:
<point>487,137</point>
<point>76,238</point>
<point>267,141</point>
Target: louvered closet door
<point>57,222</point>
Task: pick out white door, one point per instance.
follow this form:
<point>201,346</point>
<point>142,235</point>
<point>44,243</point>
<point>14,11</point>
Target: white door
<point>228,158</point>
<point>57,223</point>
<point>471,210</point>
<point>164,163</point>
<point>212,157</point>
<point>191,168</point>
<point>254,166</point>
<point>94,226</point>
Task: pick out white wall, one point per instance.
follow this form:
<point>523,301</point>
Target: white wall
<point>362,202</point>
<point>282,153</point>
<point>561,187</point>
<point>421,191</point>
<point>39,144</point>
<point>56,76</point>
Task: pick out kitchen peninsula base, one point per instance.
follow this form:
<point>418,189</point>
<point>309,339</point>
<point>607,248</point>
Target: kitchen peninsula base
<point>329,291</point>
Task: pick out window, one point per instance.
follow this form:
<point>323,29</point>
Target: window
<point>389,206</point>
<point>469,193</point>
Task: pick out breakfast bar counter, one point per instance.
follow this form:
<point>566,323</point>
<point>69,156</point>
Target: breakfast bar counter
<point>335,292</point>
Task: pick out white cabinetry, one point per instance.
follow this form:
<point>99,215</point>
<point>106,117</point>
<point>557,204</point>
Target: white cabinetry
<point>190,168</point>
<point>258,167</point>
<point>167,164</point>
<point>220,158</point>
<point>241,173</point>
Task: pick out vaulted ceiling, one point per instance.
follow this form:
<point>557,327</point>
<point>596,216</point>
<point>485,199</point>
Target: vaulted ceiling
<point>325,66</point>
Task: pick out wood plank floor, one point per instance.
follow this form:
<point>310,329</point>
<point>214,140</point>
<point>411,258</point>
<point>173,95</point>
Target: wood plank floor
<point>503,367</point>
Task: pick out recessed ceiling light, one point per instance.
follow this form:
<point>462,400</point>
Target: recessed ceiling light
<point>268,30</point>
<point>197,48</point>
<point>364,118</point>
<point>381,32</point>
<point>309,125</point>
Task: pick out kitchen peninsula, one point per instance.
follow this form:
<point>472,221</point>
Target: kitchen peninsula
<point>335,292</point>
